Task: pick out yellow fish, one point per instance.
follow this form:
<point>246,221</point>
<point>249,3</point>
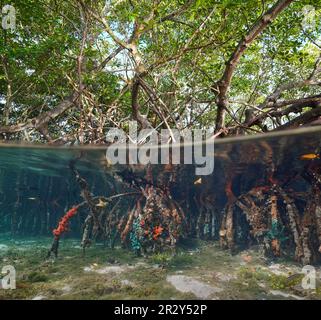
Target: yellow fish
<point>109,163</point>
<point>198,181</point>
<point>310,156</point>
<point>106,162</point>
<point>101,204</point>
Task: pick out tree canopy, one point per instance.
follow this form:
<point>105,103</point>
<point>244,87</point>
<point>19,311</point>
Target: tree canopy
<point>70,70</point>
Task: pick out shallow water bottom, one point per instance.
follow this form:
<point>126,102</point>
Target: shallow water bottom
<point>199,270</point>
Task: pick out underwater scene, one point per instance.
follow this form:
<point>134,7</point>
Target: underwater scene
<point>73,226</point>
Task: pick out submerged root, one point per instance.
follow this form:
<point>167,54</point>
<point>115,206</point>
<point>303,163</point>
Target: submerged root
<point>155,219</point>
<point>155,225</point>
<point>227,231</point>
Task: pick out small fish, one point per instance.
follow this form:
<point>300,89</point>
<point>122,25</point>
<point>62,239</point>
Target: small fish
<point>101,204</point>
<point>198,181</point>
<point>95,264</point>
<point>31,198</point>
<point>27,188</point>
<point>107,162</point>
<point>310,156</point>
<point>294,277</point>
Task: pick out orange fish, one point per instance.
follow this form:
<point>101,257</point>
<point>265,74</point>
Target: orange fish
<point>310,156</point>
<point>157,232</point>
